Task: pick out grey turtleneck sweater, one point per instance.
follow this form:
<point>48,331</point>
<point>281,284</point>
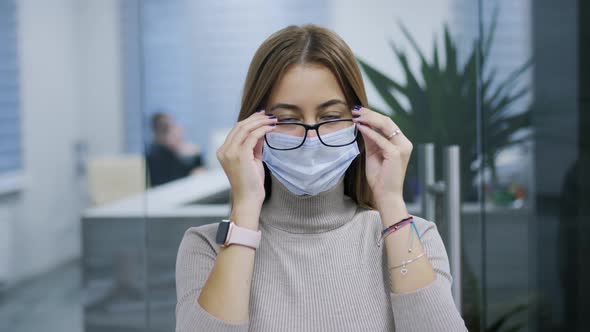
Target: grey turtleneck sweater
<point>318,268</point>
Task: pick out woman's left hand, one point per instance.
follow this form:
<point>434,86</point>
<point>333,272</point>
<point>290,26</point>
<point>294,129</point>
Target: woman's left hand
<point>386,159</point>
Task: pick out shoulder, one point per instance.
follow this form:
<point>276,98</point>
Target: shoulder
<point>371,219</point>
<point>200,239</point>
<point>196,256</point>
<point>424,226</point>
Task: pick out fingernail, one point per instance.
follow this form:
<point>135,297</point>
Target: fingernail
<point>357,107</point>
<point>260,111</point>
<point>354,116</point>
<point>271,116</point>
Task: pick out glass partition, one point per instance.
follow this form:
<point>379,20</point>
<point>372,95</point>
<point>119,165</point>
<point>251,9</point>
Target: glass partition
<point>114,263</point>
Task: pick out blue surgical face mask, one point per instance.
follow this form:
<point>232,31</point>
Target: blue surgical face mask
<point>313,167</point>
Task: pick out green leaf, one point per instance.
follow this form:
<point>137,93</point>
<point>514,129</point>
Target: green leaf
<point>451,51</point>
<point>511,79</point>
<point>492,29</point>
<point>442,99</point>
<point>383,84</point>
<point>412,41</point>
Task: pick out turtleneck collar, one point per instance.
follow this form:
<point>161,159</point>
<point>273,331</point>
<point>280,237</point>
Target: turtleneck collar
<point>319,213</point>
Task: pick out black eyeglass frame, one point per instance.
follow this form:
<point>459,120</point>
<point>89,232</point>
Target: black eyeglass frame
<point>316,128</point>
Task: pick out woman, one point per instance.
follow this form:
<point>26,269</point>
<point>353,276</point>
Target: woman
<point>316,186</point>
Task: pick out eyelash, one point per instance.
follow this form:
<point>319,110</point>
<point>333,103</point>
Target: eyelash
<point>287,120</point>
<point>328,117</point>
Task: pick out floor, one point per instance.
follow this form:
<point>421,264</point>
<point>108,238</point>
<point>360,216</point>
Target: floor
<point>51,302</point>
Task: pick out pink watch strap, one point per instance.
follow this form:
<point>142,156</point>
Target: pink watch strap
<point>242,236</point>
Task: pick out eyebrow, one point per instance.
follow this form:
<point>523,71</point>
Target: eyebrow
<point>297,108</point>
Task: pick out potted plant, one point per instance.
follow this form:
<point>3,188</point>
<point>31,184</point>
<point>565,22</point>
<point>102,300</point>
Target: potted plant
<point>442,103</point>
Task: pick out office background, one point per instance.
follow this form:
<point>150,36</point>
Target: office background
<point>80,79</point>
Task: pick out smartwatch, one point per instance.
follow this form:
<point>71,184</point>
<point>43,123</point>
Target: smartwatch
<point>229,233</point>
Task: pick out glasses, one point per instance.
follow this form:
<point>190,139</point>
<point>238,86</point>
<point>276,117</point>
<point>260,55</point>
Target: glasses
<point>291,135</point>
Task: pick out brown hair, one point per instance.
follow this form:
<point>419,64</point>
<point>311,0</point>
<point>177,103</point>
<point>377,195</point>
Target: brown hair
<point>309,44</point>
<point>160,125</point>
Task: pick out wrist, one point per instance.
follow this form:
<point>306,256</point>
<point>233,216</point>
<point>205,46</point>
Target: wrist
<point>392,210</point>
<point>230,233</point>
<point>245,215</point>
<point>249,200</point>
<point>384,202</point>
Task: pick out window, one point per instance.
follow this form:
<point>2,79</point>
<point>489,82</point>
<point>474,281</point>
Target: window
<point>10,138</point>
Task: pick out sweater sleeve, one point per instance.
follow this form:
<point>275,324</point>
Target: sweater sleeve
<point>196,256</point>
<point>430,308</point>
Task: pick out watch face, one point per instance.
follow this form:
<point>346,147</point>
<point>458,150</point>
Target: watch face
<point>222,230</point>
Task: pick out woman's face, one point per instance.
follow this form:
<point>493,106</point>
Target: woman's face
<point>308,93</point>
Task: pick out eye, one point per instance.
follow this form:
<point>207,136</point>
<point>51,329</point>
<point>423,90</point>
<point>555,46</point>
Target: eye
<point>330,117</point>
<point>286,119</point>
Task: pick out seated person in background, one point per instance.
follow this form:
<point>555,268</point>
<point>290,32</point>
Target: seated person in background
<point>170,157</point>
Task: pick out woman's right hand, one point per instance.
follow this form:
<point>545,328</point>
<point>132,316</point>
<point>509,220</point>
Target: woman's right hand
<point>241,159</point>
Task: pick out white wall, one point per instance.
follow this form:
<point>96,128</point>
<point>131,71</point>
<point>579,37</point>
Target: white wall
<point>99,60</point>
<point>70,93</point>
<point>48,103</point>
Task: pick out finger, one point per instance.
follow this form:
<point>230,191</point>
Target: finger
<point>230,136</point>
<point>385,145</point>
<point>258,149</point>
<point>375,120</point>
<point>255,139</point>
<point>246,128</point>
<point>232,149</point>
<point>378,121</point>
